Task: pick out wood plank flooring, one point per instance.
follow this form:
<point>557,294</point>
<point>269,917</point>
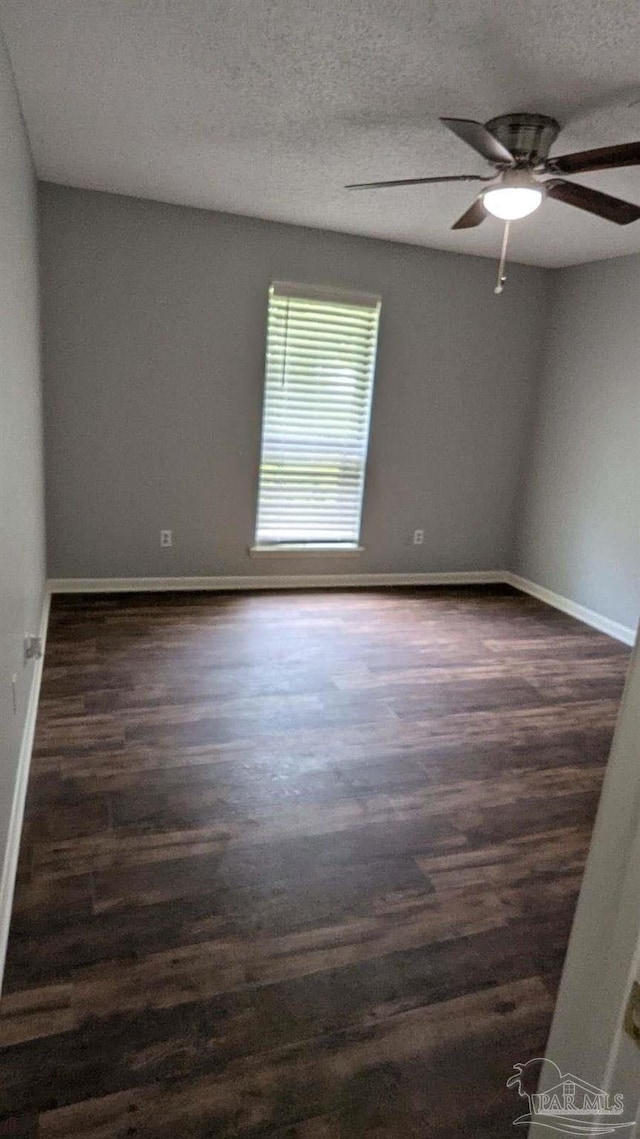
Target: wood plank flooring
<point>298,865</point>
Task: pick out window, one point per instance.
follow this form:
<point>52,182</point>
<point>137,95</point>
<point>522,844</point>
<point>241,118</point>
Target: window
<point>321,353</point>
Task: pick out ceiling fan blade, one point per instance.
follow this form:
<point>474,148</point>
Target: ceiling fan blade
<point>472,217</point>
<point>419,181</point>
<point>477,136</point>
<point>593,201</point>
<point>605,158</point>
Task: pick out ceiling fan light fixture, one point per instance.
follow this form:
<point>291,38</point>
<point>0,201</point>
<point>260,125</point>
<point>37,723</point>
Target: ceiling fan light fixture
<point>515,197</point>
<point>512,202</point>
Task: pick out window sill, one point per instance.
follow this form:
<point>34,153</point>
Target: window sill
<point>306,550</point>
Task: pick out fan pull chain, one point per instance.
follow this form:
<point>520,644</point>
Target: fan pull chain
<point>502,276</point>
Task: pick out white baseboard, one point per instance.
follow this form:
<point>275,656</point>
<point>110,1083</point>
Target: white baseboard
<point>12,850</point>
<point>239,582</point>
<point>624,633</point>
<point>270,581</point>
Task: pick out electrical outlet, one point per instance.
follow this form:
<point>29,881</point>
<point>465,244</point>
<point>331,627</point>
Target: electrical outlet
<point>166,537</point>
<point>418,537</point>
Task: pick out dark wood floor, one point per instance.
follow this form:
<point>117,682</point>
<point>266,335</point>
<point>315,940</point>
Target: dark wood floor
<point>299,865</point>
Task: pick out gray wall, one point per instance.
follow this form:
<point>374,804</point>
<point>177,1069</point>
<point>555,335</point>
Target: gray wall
<point>580,533</point>
<point>154,320</point>
<point>21,497</point>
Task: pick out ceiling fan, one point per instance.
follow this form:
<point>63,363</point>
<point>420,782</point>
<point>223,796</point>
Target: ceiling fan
<point>518,145</point>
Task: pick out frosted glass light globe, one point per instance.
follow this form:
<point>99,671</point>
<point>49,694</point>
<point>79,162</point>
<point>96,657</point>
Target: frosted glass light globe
<point>512,202</point>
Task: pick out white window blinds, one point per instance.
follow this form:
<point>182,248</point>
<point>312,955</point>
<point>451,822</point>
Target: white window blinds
<point>321,353</point>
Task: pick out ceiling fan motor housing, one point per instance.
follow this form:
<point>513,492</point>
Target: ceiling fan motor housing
<point>528,137</point>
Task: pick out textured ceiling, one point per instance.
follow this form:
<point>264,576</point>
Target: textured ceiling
<point>267,107</point>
